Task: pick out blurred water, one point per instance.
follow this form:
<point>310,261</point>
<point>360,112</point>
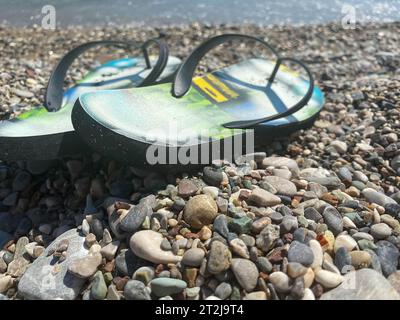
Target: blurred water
<point>167,12</point>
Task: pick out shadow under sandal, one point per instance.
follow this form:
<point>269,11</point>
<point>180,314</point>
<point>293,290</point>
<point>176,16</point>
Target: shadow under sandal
<point>46,132</point>
<point>184,123</point>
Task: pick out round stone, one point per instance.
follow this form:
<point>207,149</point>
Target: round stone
<point>186,188</point>
<point>280,281</point>
<point>200,210</point>
<point>223,291</point>
<point>245,272</point>
<point>282,186</point>
<point>301,253</point>
<point>136,290</point>
<point>360,259</point>
<point>193,257</point>
<point>380,231</point>
<point>219,258</point>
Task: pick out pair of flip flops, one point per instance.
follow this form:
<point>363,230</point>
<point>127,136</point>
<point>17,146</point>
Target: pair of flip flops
<point>128,107</point>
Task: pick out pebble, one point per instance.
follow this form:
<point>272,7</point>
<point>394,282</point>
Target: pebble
<point>318,253</point>
<point>223,291</point>
<point>99,288</point>
<point>281,185</point>
<point>135,217</point>
<point>211,191</point>
<point>85,267</point>
<point>328,279</point>
<point>264,265</point>
<point>162,287</point>
<point>278,162</point>
<point>388,256</point>
<point>333,219</point>
<point>380,231</point>
<point>377,197</point>
<point>364,284</point>
<point>186,188</point>
<point>212,176</point>
<point>221,226</point>
<point>245,272</point>
<point>280,281</point>
<point>62,285</point>
<point>295,269</point>
<point>263,198</point>
<point>239,248</point>
<point>110,250</point>
<point>394,280</point>
<point>136,290</point>
<point>240,225</point>
<point>267,237</point>
<point>144,274</point>
<point>342,259</point>
<point>219,258</point>
<point>146,244</point>
<point>200,210</point>
<point>301,253</point>
<point>256,295</point>
<point>346,241</point>
<point>360,259</point>
<point>193,257</point>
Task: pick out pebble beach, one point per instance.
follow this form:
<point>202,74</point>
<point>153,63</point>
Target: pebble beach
<point>315,215</point>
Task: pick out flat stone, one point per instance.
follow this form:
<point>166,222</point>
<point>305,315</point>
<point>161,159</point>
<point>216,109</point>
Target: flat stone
<point>201,210</point>
<point>380,231</point>
<point>301,253</point>
<point>47,280</point>
<point>333,220</point>
<point>278,162</point>
<point>328,279</point>
<point>146,244</point>
<point>136,290</point>
<point>364,284</point>
<point>193,257</point>
<point>162,287</point>
<point>388,256</point>
<point>312,214</point>
<point>135,217</point>
<point>263,198</point>
<point>245,272</point>
<point>282,186</point>
<point>219,258</point>
<point>187,188</point>
<point>85,267</point>
<point>221,226</point>
<point>374,196</point>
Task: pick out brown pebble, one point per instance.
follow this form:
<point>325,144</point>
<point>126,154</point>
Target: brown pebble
<point>120,282</point>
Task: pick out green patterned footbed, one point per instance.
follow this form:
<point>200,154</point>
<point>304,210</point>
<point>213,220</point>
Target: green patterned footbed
<point>238,92</point>
<point>115,74</point>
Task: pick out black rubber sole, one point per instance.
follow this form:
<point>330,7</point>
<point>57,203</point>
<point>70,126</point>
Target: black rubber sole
<point>44,147</point>
<point>111,144</point>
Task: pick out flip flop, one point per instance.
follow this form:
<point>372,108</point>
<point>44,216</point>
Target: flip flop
<point>46,132</point>
<point>256,95</point>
